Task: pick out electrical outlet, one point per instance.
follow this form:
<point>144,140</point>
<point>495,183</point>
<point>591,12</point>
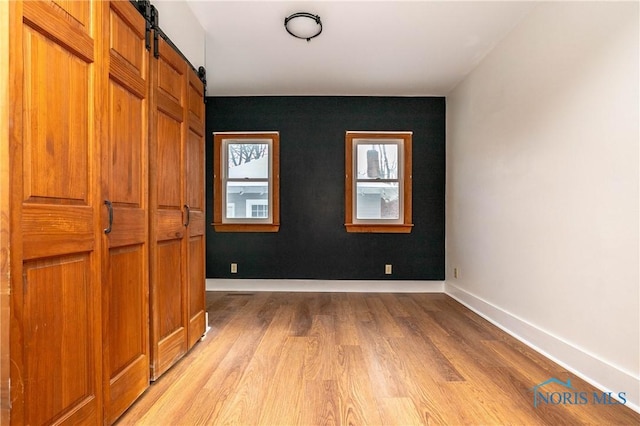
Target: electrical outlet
<point>455,273</point>
<point>388,269</point>
<point>234,268</point>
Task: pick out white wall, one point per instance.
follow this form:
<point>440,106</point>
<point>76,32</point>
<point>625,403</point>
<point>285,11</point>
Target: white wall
<point>542,188</point>
<point>179,23</point>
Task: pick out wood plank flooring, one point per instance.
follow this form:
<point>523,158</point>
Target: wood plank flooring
<point>360,359</point>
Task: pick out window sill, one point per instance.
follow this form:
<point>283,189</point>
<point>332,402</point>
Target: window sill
<point>242,227</point>
<point>382,229</point>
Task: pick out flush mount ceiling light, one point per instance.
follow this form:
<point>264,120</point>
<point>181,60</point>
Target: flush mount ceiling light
<point>306,28</point>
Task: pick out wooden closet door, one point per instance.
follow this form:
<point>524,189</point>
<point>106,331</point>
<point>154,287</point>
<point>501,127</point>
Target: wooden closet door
<point>5,230</point>
<point>125,293</point>
<point>194,180</point>
<point>169,328</point>
<point>56,373</point>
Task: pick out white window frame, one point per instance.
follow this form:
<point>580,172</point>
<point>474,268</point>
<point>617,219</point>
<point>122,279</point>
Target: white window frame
<point>399,180</point>
<point>224,158</point>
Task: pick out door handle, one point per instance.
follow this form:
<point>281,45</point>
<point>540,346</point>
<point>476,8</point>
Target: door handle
<point>107,203</point>
<point>186,207</point>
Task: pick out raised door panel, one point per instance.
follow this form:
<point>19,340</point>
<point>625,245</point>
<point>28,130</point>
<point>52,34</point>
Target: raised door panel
<point>195,160</point>
<point>195,194</point>
<point>125,292</point>
<point>126,355</point>
<point>171,72</point>
<point>56,130</point>
<point>59,340</point>
<point>169,330</point>
<point>168,162</point>
<point>127,119</point>
<point>56,364</point>
<point>196,104</point>
<point>196,277</point>
<point>77,10</point>
<point>171,324</point>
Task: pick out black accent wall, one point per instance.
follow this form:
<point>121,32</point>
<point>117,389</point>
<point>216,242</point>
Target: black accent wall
<point>312,242</point>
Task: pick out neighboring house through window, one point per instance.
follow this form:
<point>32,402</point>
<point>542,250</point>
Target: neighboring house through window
<point>246,181</point>
<point>378,182</point>
<point>257,208</point>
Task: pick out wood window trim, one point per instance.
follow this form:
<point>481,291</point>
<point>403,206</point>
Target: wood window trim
<point>218,224</point>
<point>396,228</point>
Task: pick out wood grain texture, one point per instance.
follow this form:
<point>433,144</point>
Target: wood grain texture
<point>5,228</point>
<point>361,359</point>
<point>173,253</point>
<point>194,181</point>
<point>125,263</point>
<point>56,333</point>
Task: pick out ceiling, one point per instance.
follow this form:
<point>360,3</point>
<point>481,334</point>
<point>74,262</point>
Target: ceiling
<point>368,48</point>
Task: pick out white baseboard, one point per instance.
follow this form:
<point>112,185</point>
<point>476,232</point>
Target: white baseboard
<point>334,286</point>
<point>599,373</point>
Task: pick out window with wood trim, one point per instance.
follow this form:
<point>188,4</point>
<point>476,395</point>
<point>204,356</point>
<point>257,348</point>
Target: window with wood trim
<point>246,172</point>
<point>378,182</point>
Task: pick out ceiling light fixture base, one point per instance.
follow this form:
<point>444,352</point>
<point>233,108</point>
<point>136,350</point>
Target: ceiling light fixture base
<point>305,15</point>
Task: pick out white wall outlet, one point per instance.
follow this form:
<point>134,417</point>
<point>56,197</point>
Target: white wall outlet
<point>455,273</point>
<point>234,268</point>
<point>388,269</point>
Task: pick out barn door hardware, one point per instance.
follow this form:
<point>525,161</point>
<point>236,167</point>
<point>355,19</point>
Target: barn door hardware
<point>154,18</point>
<point>107,203</point>
<point>188,214</point>
<point>144,7</point>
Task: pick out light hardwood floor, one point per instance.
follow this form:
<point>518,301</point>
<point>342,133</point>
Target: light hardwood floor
<point>360,359</point>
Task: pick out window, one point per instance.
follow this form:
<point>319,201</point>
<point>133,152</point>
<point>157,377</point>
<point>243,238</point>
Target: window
<point>257,208</point>
<point>378,182</point>
<point>246,181</point>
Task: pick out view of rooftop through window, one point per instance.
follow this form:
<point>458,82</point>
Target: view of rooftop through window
<point>377,184</point>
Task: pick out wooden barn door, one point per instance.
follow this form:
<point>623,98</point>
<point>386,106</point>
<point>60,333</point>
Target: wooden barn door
<point>5,229</point>
<point>56,211</point>
<point>105,172</point>
<point>124,191</point>
<point>194,181</point>
<point>177,200</point>
<point>169,328</point>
